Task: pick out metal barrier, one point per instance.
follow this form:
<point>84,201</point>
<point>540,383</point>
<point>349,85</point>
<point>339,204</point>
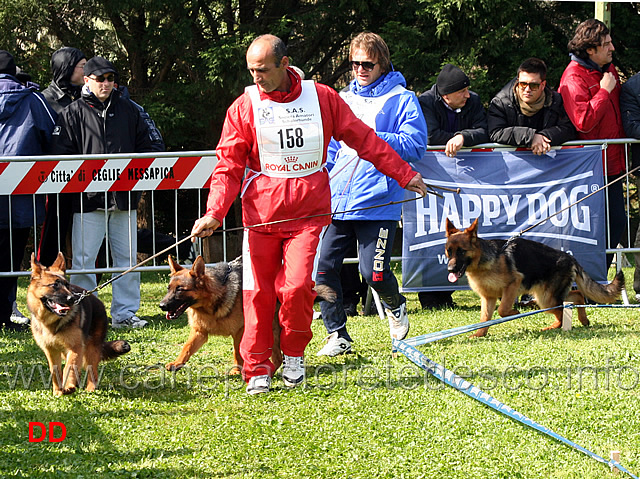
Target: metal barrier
<point>159,173</point>
<point>59,175</point>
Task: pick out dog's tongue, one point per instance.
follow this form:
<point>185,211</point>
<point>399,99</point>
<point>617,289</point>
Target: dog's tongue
<point>61,309</point>
<point>452,277</point>
<point>168,315</point>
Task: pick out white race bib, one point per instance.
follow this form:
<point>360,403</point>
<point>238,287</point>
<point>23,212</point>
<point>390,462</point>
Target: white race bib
<point>290,135</point>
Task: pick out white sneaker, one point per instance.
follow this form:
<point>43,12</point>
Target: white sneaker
<point>335,346</point>
<point>132,322</point>
<point>17,316</point>
<point>293,372</point>
<point>398,321</point>
<point>259,384</point>
<point>638,297</point>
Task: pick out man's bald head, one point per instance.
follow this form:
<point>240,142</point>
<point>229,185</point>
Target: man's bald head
<point>267,62</point>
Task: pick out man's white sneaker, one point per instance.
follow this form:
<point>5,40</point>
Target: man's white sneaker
<point>638,297</point>
<point>335,346</point>
<point>293,372</point>
<point>259,384</point>
<point>132,322</point>
<point>17,316</point>
<point>398,321</point>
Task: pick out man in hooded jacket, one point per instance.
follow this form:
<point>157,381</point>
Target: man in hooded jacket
<point>67,65</point>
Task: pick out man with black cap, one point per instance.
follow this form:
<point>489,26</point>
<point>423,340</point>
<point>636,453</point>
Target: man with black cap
<point>26,123</point>
<point>101,121</point>
<point>455,118</point>
<point>455,115</point>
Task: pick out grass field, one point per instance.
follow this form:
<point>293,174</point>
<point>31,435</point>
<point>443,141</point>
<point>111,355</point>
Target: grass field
<point>363,415</point>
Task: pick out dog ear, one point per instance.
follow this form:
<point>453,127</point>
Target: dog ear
<point>173,265</point>
<point>198,267</point>
<point>59,263</point>
<point>450,229</point>
<point>36,268</point>
<point>473,229</point>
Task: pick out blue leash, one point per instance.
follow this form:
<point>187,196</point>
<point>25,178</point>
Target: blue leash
<point>464,386</point>
<point>447,333</point>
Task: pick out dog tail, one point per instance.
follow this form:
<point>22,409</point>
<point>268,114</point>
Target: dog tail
<point>600,293</point>
<point>325,293</point>
<point>113,349</point>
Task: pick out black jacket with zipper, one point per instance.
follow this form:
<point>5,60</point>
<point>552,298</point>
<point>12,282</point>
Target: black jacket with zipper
<point>88,126</point>
<point>509,126</point>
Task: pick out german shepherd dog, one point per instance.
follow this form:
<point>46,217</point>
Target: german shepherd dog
<point>212,298</point>
<point>66,330</point>
<point>506,269</point>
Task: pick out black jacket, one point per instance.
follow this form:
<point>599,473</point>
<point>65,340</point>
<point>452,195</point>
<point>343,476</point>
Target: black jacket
<point>88,126</point>
<point>630,109</point>
<point>60,93</point>
<point>509,126</point>
<point>472,120</point>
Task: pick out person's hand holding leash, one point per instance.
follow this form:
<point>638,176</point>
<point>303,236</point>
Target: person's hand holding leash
<point>417,185</point>
<point>204,227</point>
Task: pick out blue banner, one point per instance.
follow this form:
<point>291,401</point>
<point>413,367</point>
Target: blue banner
<point>508,191</point>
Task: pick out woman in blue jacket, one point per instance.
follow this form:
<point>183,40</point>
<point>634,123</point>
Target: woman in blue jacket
<point>377,95</point>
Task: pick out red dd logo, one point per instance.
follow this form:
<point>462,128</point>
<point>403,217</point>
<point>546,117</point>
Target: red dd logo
<point>43,431</point>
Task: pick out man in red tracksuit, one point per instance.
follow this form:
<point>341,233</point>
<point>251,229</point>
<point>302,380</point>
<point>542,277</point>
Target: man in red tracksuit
<point>279,130</point>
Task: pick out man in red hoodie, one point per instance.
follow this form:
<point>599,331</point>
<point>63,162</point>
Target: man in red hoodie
<point>279,130</point>
<point>590,90</point>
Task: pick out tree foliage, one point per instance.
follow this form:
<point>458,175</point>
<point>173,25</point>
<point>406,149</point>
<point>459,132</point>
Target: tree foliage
<point>184,59</point>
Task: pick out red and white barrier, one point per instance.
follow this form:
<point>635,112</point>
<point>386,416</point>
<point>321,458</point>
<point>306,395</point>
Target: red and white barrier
<point>130,174</point>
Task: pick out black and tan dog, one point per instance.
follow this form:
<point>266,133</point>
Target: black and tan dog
<point>66,330</point>
<point>212,297</point>
<point>500,269</point>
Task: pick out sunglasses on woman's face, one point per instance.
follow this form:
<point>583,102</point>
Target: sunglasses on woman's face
<point>368,66</point>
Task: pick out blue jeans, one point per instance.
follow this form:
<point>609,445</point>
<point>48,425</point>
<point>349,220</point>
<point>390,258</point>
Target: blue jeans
<point>89,229</point>
<point>375,241</point>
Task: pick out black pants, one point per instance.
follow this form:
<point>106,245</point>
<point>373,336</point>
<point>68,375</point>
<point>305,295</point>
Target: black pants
<point>9,286</point>
<point>375,241</point>
<point>616,216</point>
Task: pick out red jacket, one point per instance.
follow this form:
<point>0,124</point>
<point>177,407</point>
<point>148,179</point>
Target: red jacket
<point>594,112</point>
<point>269,199</point>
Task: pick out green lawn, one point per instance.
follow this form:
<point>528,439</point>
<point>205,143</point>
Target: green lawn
<point>364,415</point>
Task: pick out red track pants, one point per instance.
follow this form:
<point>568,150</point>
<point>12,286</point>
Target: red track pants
<point>277,266</point>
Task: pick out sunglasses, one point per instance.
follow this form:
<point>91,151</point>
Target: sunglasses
<point>367,66</point>
<point>103,78</point>
<point>533,85</point>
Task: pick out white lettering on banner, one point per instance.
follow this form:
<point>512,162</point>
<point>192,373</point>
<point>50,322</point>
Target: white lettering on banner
<point>464,208</point>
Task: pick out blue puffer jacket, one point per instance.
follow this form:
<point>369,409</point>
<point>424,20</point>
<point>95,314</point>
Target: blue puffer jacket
<point>26,123</point>
<point>355,183</point>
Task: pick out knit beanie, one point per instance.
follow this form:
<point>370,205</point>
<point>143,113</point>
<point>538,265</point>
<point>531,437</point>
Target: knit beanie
<point>7,64</point>
<point>451,79</point>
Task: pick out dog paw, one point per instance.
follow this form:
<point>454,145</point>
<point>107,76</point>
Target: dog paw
<point>234,371</point>
<point>174,366</point>
<point>121,347</point>
<point>69,390</point>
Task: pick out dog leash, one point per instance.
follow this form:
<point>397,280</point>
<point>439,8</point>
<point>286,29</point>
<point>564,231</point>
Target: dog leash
<point>451,379</point>
<point>517,235</point>
<point>431,189</point>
